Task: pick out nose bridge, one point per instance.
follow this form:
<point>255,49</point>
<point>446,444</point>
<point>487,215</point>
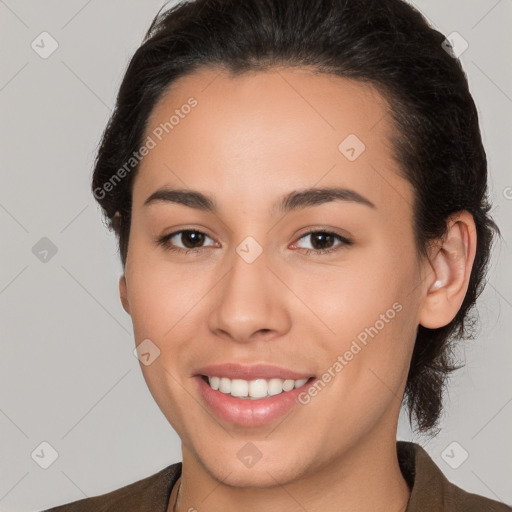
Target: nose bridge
<point>250,296</point>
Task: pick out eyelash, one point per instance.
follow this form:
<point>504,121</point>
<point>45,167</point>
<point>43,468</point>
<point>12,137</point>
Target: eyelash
<point>164,242</point>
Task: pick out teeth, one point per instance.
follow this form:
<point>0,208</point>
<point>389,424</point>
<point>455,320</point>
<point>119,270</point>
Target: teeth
<point>253,389</point>
<point>214,382</point>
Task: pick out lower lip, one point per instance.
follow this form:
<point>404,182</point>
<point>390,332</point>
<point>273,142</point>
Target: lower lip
<point>246,412</point>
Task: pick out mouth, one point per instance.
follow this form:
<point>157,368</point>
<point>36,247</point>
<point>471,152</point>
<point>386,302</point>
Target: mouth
<point>251,403</point>
<point>251,395</point>
<point>255,389</point>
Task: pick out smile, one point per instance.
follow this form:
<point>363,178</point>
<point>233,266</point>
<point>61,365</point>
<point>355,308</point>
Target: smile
<point>273,399</point>
<point>253,389</point>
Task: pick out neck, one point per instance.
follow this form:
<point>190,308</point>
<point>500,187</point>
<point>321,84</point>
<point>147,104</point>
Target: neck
<point>367,477</point>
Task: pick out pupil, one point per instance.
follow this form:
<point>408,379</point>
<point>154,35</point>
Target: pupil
<point>195,236</point>
<point>320,236</point>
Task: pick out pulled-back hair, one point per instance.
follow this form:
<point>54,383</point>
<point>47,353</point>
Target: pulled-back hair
<point>386,43</point>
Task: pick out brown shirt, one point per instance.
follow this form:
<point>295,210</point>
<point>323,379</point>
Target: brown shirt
<point>430,490</point>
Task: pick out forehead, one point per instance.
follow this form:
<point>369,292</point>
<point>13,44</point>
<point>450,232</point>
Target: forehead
<point>261,134</point>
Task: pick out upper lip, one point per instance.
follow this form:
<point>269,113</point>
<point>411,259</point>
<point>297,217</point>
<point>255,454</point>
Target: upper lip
<point>250,372</point>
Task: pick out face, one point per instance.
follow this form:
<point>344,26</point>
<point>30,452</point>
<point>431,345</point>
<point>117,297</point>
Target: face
<point>326,287</point>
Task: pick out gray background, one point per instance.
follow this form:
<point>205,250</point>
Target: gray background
<point>67,372</point>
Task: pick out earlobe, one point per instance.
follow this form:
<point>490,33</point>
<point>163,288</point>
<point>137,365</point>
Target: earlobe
<point>123,293</point>
<point>451,263</point>
<point>436,285</point>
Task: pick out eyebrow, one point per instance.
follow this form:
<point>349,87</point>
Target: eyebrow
<point>296,200</point>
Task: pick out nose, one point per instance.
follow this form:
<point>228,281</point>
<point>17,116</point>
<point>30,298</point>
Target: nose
<point>250,302</point>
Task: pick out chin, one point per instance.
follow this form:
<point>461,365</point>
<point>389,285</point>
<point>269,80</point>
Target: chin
<point>234,467</point>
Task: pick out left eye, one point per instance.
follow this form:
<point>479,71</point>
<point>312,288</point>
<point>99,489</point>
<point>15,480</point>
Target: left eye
<point>321,238</point>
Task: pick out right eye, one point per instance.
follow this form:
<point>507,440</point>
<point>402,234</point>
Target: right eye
<point>188,237</point>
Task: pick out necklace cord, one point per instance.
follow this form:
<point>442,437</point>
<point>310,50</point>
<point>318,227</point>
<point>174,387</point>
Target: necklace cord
<point>177,496</point>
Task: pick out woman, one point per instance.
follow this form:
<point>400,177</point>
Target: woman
<point>299,191</point>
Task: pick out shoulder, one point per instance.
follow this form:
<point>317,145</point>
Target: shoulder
<point>147,495</point>
<point>431,491</point>
<point>458,499</point>
<point>465,501</point>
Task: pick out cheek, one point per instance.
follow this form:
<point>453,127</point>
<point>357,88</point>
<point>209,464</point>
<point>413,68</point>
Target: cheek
<point>369,310</point>
<point>351,296</point>
<point>160,294</point>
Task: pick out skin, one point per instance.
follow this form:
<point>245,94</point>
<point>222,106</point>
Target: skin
<point>250,140</point>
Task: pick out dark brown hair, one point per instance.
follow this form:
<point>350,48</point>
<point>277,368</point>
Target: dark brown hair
<point>386,43</point>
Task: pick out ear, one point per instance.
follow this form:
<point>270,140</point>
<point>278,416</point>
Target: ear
<point>123,293</point>
<point>451,260</point>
